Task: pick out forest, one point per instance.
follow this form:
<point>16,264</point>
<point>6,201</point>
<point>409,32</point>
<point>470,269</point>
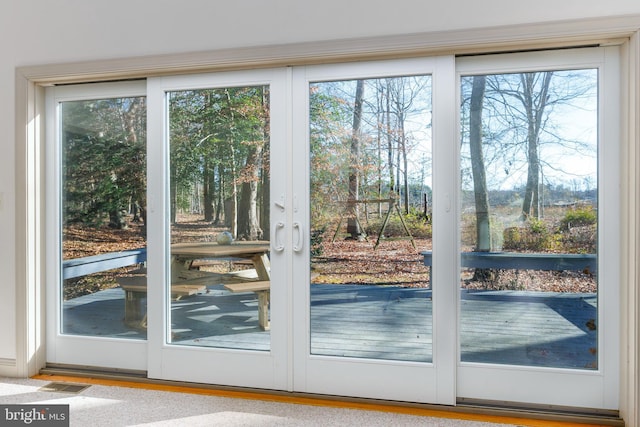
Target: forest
<point>528,159</point>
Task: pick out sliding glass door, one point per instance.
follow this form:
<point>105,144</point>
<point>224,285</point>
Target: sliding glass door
<point>96,204</point>
<point>217,311</point>
<point>435,230</point>
<point>539,238</point>
<point>368,314</point>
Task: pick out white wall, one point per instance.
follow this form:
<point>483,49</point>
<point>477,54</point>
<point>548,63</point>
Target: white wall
<point>36,32</point>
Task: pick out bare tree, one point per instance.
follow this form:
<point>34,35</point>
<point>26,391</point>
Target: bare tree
<point>353,228</point>
<point>535,101</point>
<point>483,231</point>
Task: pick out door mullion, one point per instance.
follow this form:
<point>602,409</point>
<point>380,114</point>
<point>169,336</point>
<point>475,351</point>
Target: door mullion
<point>445,228</point>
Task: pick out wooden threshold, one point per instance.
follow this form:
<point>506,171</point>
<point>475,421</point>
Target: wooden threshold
<point>460,412</point>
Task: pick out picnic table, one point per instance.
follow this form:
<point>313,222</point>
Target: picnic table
<point>257,280</point>
<point>186,281</point>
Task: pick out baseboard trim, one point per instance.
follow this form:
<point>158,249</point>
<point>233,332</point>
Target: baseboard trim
<point>8,367</point>
<point>530,417</point>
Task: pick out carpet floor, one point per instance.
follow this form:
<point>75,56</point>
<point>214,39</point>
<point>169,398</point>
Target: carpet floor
<point>113,403</point>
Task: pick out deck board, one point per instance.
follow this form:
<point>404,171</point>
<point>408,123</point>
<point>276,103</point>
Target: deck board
<point>379,322</point>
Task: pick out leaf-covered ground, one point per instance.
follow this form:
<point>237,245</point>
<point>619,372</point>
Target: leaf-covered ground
<point>79,241</point>
<point>398,263</point>
<point>393,262</point>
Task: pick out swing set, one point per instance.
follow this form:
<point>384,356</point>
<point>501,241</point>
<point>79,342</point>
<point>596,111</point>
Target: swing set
<point>350,211</point>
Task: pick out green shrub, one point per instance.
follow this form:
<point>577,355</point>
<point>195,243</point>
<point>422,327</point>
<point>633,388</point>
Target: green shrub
<point>533,236</point>
<point>578,217</point>
<point>512,238</point>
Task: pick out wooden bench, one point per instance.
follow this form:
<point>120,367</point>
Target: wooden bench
<point>240,276</point>
<point>186,284</point>
<point>198,264</point>
<point>586,263</point>
<point>263,289</point>
<point>135,289</point>
<point>77,267</point>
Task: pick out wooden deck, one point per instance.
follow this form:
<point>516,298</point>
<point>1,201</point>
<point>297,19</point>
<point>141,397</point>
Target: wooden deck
<point>507,327</point>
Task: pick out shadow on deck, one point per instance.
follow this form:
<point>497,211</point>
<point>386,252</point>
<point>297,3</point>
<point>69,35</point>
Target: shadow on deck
<point>376,322</point>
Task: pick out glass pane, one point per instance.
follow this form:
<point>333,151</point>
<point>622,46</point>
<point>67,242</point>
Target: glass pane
<point>370,197</point>
<point>529,168</point>
<point>219,199</point>
<point>103,217</point>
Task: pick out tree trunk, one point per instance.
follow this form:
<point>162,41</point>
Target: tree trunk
<point>248,224</point>
<point>397,180</point>
<point>116,220</point>
<point>208,191</point>
<point>264,174</point>
<point>389,141</point>
<point>233,220</point>
<point>219,195</point>
<point>353,227</point>
<point>534,104</point>
<point>264,205</point>
<point>379,136</point>
<point>173,194</point>
<point>138,177</point>
<point>483,230</point>
<point>405,163</point>
<point>234,195</point>
<point>208,166</point>
<point>529,207</point>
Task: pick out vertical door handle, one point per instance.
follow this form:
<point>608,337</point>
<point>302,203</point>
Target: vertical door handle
<point>277,245</point>
<point>299,244</point>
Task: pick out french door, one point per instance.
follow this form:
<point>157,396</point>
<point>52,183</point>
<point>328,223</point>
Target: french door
<point>311,335</point>
<point>358,332</point>
<point>222,136</point>
<point>310,228</point>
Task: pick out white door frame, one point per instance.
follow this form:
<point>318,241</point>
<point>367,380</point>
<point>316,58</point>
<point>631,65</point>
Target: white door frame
<point>260,369</point>
<point>291,368</point>
<point>61,348</point>
<point>395,380</point>
<point>567,387</point>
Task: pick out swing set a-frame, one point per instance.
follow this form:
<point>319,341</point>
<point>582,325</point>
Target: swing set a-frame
<point>351,212</point>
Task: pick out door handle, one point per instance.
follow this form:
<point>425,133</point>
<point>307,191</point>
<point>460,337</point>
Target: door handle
<point>299,244</point>
<point>280,203</point>
<point>277,245</point>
